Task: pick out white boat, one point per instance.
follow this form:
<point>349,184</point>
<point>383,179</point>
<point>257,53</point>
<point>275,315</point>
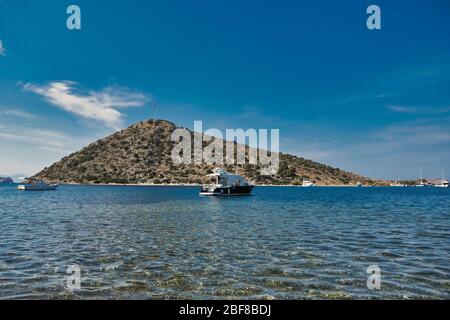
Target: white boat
<point>443,184</point>
<point>307,183</point>
<point>226,184</point>
<point>397,184</point>
<point>421,183</point>
<point>36,185</point>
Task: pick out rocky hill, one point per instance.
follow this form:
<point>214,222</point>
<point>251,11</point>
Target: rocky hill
<point>141,154</point>
<point>6,180</point>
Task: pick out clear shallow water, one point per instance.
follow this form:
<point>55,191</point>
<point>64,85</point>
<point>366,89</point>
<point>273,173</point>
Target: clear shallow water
<point>169,243</point>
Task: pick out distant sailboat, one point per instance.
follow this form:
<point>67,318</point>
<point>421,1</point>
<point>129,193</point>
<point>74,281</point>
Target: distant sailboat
<point>421,183</point>
<point>443,184</point>
<point>396,184</point>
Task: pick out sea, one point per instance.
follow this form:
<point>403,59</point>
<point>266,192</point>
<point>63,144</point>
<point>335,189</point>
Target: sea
<point>133,242</point>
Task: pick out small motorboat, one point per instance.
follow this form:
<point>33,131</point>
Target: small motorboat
<point>397,184</point>
<point>443,184</point>
<point>421,184</point>
<point>225,184</point>
<point>307,183</point>
<point>36,185</point>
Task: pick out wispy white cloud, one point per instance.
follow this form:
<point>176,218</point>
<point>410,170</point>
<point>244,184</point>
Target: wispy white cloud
<point>2,49</point>
<point>17,114</point>
<point>38,138</point>
<point>100,105</point>
<point>418,110</point>
<point>249,112</point>
<point>340,101</point>
<point>27,149</point>
<point>396,150</point>
<point>411,134</point>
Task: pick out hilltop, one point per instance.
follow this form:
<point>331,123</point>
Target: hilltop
<point>6,180</point>
<point>141,154</point>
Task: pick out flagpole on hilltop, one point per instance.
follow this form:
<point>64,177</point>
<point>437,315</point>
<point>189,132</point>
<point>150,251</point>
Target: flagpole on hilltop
<point>154,112</point>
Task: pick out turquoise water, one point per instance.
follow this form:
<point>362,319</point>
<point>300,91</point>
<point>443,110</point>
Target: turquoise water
<point>168,243</point>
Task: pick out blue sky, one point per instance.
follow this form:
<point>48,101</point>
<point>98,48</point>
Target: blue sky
<point>372,102</point>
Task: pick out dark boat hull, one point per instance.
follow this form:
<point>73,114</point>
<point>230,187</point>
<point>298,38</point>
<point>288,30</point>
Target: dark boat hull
<point>230,191</point>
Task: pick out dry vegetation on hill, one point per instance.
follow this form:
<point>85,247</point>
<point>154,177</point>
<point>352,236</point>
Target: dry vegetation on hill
<point>141,154</point>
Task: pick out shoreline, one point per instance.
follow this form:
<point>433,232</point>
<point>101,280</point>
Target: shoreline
<point>200,185</point>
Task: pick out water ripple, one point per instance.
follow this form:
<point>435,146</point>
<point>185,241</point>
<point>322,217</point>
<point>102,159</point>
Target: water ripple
<point>281,243</point>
